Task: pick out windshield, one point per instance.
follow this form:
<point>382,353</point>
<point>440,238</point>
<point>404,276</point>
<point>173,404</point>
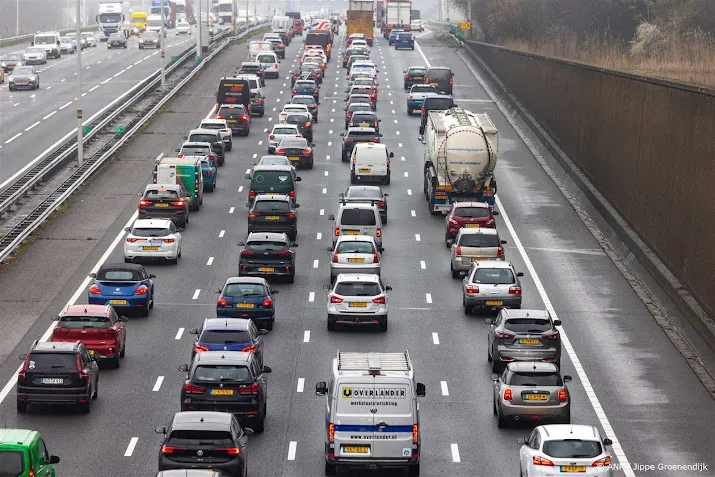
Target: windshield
<point>535,379</point>
<point>295,108</point>
<point>110,17</point>
<point>64,39</point>
<point>472,212</point>
<point>237,374</point>
<point>265,246</point>
<point>212,126</point>
<point>364,194</point>
<point>528,325</point>
<point>150,232</point>
<point>358,217</point>
<point>357,289</point>
<point>272,178</point>
<point>494,276</point>
<point>77,322</point>
<point>237,290</point>
<point>12,463</point>
<point>116,36</point>
<point>479,240</point>
<point>147,35</point>
<point>296,119</point>
<point>364,118</point>
<point>22,71</point>
<point>195,150</point>
<point>272,206</point>
<point>417,71</point>
<point>572,449</point>
<point>404,36</point>
<point>10,58</point>
<point>305,84</point>
<point>45,39</point>
<point>136,20</point>
<point>293,143</point>
<point>155,22</point>
<point>225,336</point>
<point>193,437</point>
<point>355,247</point>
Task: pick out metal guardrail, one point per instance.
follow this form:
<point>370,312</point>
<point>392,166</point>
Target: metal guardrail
<point>10,241</point>
<point>29,36</point>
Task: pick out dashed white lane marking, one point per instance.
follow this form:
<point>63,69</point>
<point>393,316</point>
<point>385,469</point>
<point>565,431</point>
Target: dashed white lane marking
<point>292,448</point>
<point>119,73</point>
<point>445,389</point>
<point>423,265</point>
<point>455,453</point>
<point>16,104</point>
<point>322,212</point>
<point>332,120</point>
<point>435,338</point>
<point>210,261</point>
<point>248,171</point>
<point>93,88</point>
<point>50,115</point>
<point>49,87</point>
<point>398,133</point>
<point>326,173</point>
<point>63,80</point>
<point>327,158</point>
<point>399,144</point>
<point>406,175</point>
<point>157,384</point>
<point>393,112</point>
<point>325,190</point>
<point>130,448</point>
<point>221,233</point>
<point>13,138</point>
<point>231,210</point>
<point>413,213</point>
<point>196,294</point>
<point>65,105</point>
<point>32,126</point>
<point>260,143</point>
<point>301,385</point>
<point>409,191</point>
<point>428,297</point>
<point>240,188</point>
<point>84,94</point>
<point>316,262</point>
<point>311,297</point>
<point>402,158</point>
<point>137,62</point>
<point>179,333</point>
<point>330,143</point>
<point>306,336</point>
<point>319,236</point>
<point>107,81</point>
<point>330,131</point>
<point>395,121</point>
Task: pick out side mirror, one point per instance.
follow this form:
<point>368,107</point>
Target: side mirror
<point>421,139</point>
<point>607,442</point>
<point>297,179</point>
<point>520,274</point>
<point>455,105</point>
<point>521,440</point>
<point>325,287</point>
<point>489,321</point>
<point>152,276</point>
<point>388,288</point>
<point>567,378</point>
<point>557,322</point>
<point>23,357</point>
<point>92,275</point>
<point>267,369</point>
<point>180,229</point>
<point>450,242</point>
<point>312,145</point>
<point>495,377</point>
<point>127,229</point>
<point>404,71</point>
<point>247,204</point>
<point>321,389</point>
<point>342,134</point>
<point>379,120</point>
<point>184,367</point>
<point>160,430</point>
<point>123,319</point>
<point>54,459</point>
<point>241,244</point>
<point>275,291</point>
<point>194,331</point>
<point>421,390</point>
<point>294,244</point>
<point>503,242</point>
<point>495,212</point>
<point>342,194</point>
<point>345,109</point>
<point>379,135</point>
<point>297,206</point>
<point>331,217</point>
<point>247,431</point>
<point>392,154</point>
<point>217,290</point>
<point>262,332</point>
<point>381,249</point>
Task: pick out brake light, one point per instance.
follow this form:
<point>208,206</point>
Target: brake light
<point>192,388</point>
<point>500,252</point>
<point>276,67</point>
<point>373,96</point>
<point>538,460</point>
<point>291,194</point>
<point>502,335</point>
<point>142,290</point>
<point>232,451</point>
<point>378,233</point>
<point>563,396</point>
<point>144,202</point>
<point>407,76</point>
<point>451,81</point>
<point>249,349</point>
<point>31,472</point>
<point>82,373</point>
<point>94,290</point>
<point>422,110</point>
<point>315,91</point>
<point>331,433</point>
<point>507,395</point>
<point>219,116</point>
<point>335,299</point>
<point>375,257</point>
<point>259,101</point>
<point>295,91</point>
<point>244,117</point>
<point>605,462</point>
<point>458,251</point>
<point>181,154</point>
<point>290,215</point>
<point>198,347</point>
<point>177,203</point>
<point>473,290</point>
<point>247,253</point>
<point>426,79</point>
<point>131,239</point>
<point>209,173</point>
<point>222,302</point>
<point>515,290</point>
<point>306,151</point>
<point>551,336</point>
<point>379,300</point>
<point>271,137</point>
<point>168,240</point>
<point>415,434</point>
<point>170,449</point>
<point>280,151</point>
<point>25,365</point>
<point>347,139</point>
<point>253,215</point>
<point>252,389</point>
<point>267,302</point>
<point>307,125</point>
<point>284,253</point>
<point>251,194</point>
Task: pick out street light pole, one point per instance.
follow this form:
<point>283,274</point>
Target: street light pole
<point>78,33</point>
<point>17,18</point>
<point>161,42</point>
<point>198,33</point>
<point>234,14</point>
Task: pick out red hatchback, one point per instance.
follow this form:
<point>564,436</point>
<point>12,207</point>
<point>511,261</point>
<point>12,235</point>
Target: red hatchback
<point>98,327</point>
<point>469,215</point>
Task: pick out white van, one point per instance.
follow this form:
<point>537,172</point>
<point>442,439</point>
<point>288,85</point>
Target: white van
<point>357,218</point>
<point>370,162</point>
<point>256,47</point>
<point>269,63</point>
<point>50,42</point>
<point>281,23</point>
<point>371,413</point>
<point>254,82</point>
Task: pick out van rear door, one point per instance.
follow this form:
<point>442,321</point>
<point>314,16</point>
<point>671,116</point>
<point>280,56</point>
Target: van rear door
<point>353,420</point>
<point>393,420</point>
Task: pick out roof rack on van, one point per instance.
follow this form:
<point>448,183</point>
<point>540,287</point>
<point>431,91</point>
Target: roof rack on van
<point>374,362</point>
<point>344,201</point>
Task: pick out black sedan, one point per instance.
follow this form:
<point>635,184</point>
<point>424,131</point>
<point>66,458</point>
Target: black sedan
<point>116,40</point>
<point>298,150</point>
<point>273,213</point>
<point>303,121</point>
<point>267,255</point>
<point>356,136</point>
<point>309,101</point>
<point>353,108</point>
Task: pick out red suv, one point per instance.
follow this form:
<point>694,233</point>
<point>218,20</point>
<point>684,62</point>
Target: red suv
<point>98,327</point>
<point>470,215</point>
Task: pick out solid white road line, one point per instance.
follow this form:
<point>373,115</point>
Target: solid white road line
<point>301,385</point>
<point>157,385</point>
<point>445,389</point>
<point>291,450</point>
<point>306,336</point>
<point>130,448</point>
<point>435,338</point>
<point>197,292</point>
<point>210,262</point>
<point>455,453</point>
<point>179,333</point>
<point>311,297</point>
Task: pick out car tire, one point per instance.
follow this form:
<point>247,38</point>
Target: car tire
<point>468,309</point>
<point>413,471</point>
<point>344,158</point>
<point>208,188</point>
<point>291,278</point>
<point>384,220</point>
<point>496,366</point>
<point>269,325</point>
<point>86,408</point>
<point>260,115</point>
<point>310,164</point>
<point>115,361</point>
<point>331,324</point>
<point>230,147</point>
<point>501,422</point>
<point>260,425</point>
<point>494,407</point>
<point>145,311</point>
<point>387,180</point>
<point>455,273</point>
<point>353,179</point>
<point>123,350</point>
<point>21,407</point>
<point>128,260</point>
<point>383,325</point>
<point>96,389</point>
<point>409,112</point>
<point>489,356</point>
<point>330,469</point>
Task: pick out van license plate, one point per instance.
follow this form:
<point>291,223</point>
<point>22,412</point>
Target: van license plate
<point>528,341</point>
<point>573,468</point>
<point>266,269</point>
<point>117,302</point>
<point>52,380</point>
<point>356,449</point>
<point>161,205</point>
<point>495,303</point>
<point>150,247</point>
<point>365,171</point>
<point>351,232</point>
<point>222,392</point>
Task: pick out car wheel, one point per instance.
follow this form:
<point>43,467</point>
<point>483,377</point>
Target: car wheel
<point>230,146</point>
<point>409,112</point>
<point>85,407</point>
<point>96,389</point>
<point>455,273</point>
<point>496,366</point>
<point>21,407</point>
<point>489,356</point>
<point>387,180</point>
<point>501,422</point>
<point>353,179</point>
<point>494,406</point>
<point>115,361</point>
<point>145,310</point>
<point>123,351</point>
<point>260,425</point>
<point>291,278</point>
<point>331,324</point>
<point>383,325</point>
<point>128,260</point>
<point>468,309</point>
<point>209,188</point>
<point>414,471</point>
<point>269,325</point>
<point>310,164</point>
<point>330,469</point>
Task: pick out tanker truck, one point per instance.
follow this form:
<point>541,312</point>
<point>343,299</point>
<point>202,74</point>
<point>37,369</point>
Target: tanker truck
<point>459,158</point>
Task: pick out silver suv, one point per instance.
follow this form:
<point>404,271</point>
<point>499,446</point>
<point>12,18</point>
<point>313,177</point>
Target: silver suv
<point>472,245</point>
<point>357,299</point>
<point>355,254</point>
<point>491,285</point>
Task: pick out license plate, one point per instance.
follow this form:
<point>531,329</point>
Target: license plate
<point>472,226</point>
<point>161,205</point>
<point>535,397</point>
<point>573,468</point>
<point>356,260</point>
<point>266,269</point>
<point>91,352</point>
<point>528,341</point>
<point>364,125</point>
<point>434,84</point>
<point>51,380</point>
<point>271,193</point>
<point>222,392</point>
<point>272,217</point>
<point>495,303</point>
<point>476,259</point>
<point>358,304</point>
<point>356,449</point>
<point>364,171</point>
<point>351,232</point>
<point>245,305</point>
<point>419,77</point>
<point>231,121</point>
<point>294,158</point>
<point>117,302</point>
<point>150,247</point>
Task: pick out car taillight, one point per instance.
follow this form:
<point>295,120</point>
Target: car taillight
<point>375,257</point>
<point>280,152</point>
<point>379,300</point>
<point>306,151</point>
<point>373,96</point>
<point>500,252</point>
<point>192,388</point>
<point>422,110</point>
<point>144,202</point>
<point>267,302</point>
<point>315,91</point>
<point>249,349</point>
<point>347,139</point>
<point>507,395</point>
<point>168,240</point>
<point>502,335</point>
<point>335,299</point>
<point>94,290</point>
<point>331,433</point>
<point>284,253</point>
<point>426,79</point>
<point>538,460</point>
<point>209,173</point>
<point>295,91</point>
<point>247,253</point>
<point>563,396</point>
<point>25,366</point>
<point>253,215</point>
<point>271,137</point>
<point>458,251</point>
<point>452,221</point>
<point>473,290</point>
<point>276,66</point>
<point>132,239</point>
<point>378,233</point>
<point>170,449</point>
<point>515,290</point>
<point>605,462</point>
<point>31,472</point>
<point>259,101</point>
<point>219,116</point>
<point>82,373</point>
<point>222,302</point>
<point>142,290</point>
<point>415,434</point>
<point>554,335</point>
<point>291,194</point>
<point>181,154</point>
<point>177,203</point>
<point>232,450</point>
<point>252,389</point>
<point>335,257</point>
<point>198,347</point>
<point>451,81</point>
<point>244,117</point>
<point>290,215</point>
<point>407,76</point>
<point>251,194</point>
<point>307,125</point>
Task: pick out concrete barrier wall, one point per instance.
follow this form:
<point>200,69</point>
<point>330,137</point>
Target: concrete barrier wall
<point>647,145</point>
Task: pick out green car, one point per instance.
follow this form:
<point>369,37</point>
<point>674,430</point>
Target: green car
<point>24,454</point>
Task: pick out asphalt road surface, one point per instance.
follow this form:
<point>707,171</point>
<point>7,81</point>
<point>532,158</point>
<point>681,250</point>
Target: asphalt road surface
<point>622,363</point>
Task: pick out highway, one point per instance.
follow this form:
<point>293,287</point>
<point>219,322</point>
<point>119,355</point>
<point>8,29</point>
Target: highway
<point>627,375</point>
<point>32,121</point>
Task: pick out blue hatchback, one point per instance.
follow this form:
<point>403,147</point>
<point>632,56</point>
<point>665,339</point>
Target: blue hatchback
<point>124,286</point>
<point>404,40</point>
<point>229,334</point>
<point>209,171</point>
<point>247,297</point>
<point>306,87</point>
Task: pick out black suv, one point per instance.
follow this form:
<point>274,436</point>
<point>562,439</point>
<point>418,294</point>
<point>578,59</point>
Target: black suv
<point>441,77</point>
<point>305,126</point>
<point>204,440</point>
<point>434,102</point>
<point>267,255</point>
<point>356,136</point>
<point>213,137</point>
<point>237,118</point>
<point>253,68</point>
<point>227,381</point>
<point>273,213</point>
<point>414,75</point>
<point>57,373</point>
<point>365,119</point>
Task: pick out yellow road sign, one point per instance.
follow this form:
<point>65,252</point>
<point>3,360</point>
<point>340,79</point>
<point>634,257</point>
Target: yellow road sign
<point>466,26</point>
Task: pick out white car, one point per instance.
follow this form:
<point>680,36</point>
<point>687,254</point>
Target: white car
<point>269,62</point>
<point>272,160</point>
<point>293,108</point>
<point>34,55</point>
<point>183,28</point>
<point>417,25</point>
<point>280,132</point>
<point>357,299</point>
<point>222,126</point>
<point>557,449</point>
<point>357,43</point>
<point>91,39</point>
<point>153,239</point>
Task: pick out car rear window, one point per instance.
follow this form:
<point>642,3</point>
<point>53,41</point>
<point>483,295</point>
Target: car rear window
<point>535,379</point>
<point>423,88</point>
<point>265,246</point>
<point>83,321</point>
<point>213,125</point>
<point>361,134</point>
<point>192,437</point>
<point>572,448</point>
<point>239,374</point>
<point>357,118</point>
<point>161,194</point>
<point>355,247</point>
<point>195,150</point>
<point>364,194</point>
<point>203,138</point>
<point>266,59</point>
<point>296,119</point>
<point>306,84</point>
<point>272,206</point>
<point>479,240</point>
<point>497,276</point>
<point>119,275</point>
<point>231,112</point>
<point>358,217</point>
<point>275,161</point>
<point>150,232</point>
<point>471,212</point>
<point>524,325</point>
<point>244,289</point>
<point>438,104</point>
<point>272,178</point>
<point>417,71</point>
<point>303,101</point>
<point>48,361</point>
<point>292,143</point>
<point>357,289</point>
<point>404,36</point>
<point>12,463</point>
<point>439,73</point>
<point>285,131</point>
<point>225,336</point>
<point>359,107</point>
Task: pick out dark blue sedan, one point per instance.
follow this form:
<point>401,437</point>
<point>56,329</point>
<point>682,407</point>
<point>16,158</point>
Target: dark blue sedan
<point>247,297</point>
<point>229,334</point>
<point>125,286</point>
<point>307,88</point>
